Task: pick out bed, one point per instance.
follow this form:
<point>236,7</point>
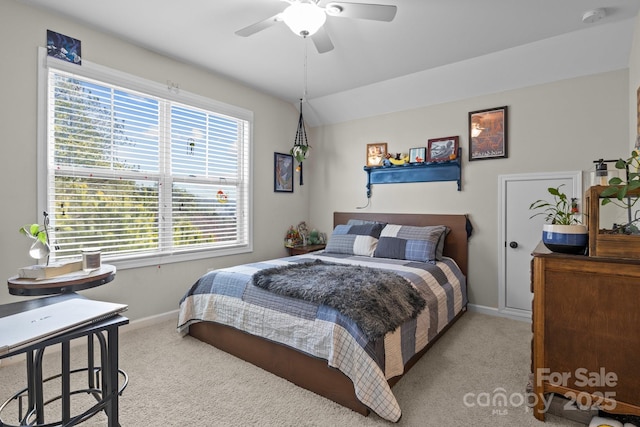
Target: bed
<point>326,352</point>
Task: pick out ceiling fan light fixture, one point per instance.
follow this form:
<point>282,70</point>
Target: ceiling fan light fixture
<point>304,19</point>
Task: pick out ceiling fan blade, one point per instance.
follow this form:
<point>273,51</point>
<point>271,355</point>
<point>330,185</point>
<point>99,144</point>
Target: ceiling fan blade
<point>258,26</point>
<point>322,41</point>
<point>376,12</point>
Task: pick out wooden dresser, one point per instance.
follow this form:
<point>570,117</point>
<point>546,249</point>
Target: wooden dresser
<point>586,331</point>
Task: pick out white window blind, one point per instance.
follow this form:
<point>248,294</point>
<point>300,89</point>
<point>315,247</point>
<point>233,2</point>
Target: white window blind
<point>138,175</point>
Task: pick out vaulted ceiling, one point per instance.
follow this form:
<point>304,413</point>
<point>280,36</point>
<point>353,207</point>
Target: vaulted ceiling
<point>433,51</point>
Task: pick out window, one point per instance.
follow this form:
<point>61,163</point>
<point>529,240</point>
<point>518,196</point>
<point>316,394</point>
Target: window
<point>140,175</point>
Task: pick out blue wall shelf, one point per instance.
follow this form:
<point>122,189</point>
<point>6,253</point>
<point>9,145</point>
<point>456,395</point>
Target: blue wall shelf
<point>415,172</point>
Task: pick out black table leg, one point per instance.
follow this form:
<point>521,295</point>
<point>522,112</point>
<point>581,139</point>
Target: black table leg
<point>112,377</point>
<point>66,382</point>
<point>38,385</point>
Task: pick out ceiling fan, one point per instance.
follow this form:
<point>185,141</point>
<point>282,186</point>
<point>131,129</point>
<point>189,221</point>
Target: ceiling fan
<point>306,19</point>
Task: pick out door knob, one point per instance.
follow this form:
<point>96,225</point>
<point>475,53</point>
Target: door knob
<point>513,244</point>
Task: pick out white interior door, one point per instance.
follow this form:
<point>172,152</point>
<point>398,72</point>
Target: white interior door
<point>520,234</point>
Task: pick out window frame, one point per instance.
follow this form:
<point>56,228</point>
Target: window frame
<point>169,92</point>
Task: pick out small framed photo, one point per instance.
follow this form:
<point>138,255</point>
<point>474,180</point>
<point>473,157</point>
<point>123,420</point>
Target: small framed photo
<point>417,155</point>
<point>376,153</point>
<point>442,149</point>
<point>488,133</point>
<point>282,173</point>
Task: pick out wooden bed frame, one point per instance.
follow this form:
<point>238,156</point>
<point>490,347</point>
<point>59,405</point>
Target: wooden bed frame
<point>313,373</point>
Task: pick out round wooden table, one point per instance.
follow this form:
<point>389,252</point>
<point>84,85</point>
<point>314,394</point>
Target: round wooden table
<point>71,282</point>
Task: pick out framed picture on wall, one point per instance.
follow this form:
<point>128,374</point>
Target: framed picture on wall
<point>282,173</point>
<point>64,47</point>
<point>488,133</point>
<point>442,149</point>
<point>376,153</point>
<point>417,155</point>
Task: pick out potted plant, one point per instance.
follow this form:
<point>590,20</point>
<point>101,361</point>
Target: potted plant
<point>624,193</point>
<point>40,247</point>
<point>563,231</point>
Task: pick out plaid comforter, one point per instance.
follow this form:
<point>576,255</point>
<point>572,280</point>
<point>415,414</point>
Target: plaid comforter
<point>227,296</point>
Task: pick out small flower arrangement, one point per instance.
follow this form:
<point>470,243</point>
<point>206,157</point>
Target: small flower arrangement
<point>292,238</point>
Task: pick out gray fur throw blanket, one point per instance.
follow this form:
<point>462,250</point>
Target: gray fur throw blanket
<point>378,301</point>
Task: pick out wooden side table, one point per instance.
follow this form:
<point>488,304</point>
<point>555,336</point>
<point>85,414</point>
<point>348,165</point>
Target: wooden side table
<point>71,282</point>
<point>301,250</point>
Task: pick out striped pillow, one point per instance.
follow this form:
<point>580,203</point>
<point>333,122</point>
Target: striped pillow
<point>354,239</point>
<point>424,244</point>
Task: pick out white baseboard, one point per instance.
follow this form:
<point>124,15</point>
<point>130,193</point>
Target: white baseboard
<point>151,320</point>
<point>133,325</point>
<point>491,311</point>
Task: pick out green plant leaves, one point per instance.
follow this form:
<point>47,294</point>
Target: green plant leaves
<point>557,212</point>
<point>619,188</point>
<point>34,231</point>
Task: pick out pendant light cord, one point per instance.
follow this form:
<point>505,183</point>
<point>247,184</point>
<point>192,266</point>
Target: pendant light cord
<point>304,79</point>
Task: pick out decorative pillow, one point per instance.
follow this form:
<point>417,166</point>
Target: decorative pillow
<point>424,244</point>
<point>354,239</point>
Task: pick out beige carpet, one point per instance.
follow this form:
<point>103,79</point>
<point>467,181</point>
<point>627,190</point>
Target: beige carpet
<point>176,381</point>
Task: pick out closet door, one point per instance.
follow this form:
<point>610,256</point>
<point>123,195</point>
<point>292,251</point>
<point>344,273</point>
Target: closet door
<point>520,234</point>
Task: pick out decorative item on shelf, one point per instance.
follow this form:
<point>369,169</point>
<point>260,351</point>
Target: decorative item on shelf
<point>315,237</point>
<point>563,231</point>
<point>398,160</point>
<point>40,248</point>
<point>303,231</point>
<point>415,172</point>
<point>300,236</point>
<point>417,155</point>
<point>574,206</point>
<point>292,238</point>
<point>376,153</point>
<point>601,173</point>
<point>442,149</point>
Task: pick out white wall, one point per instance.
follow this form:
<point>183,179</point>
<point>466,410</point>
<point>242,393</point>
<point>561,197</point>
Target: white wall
<point>149,290</point>
<point>552,127</point>
<point>634,86</point>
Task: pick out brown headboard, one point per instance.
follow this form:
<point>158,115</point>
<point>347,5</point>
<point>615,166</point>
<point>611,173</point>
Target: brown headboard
<point>454,247</point>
